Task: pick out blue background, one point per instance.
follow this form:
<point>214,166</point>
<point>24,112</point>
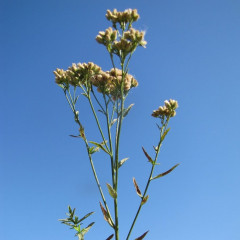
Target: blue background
<point>192,55</point>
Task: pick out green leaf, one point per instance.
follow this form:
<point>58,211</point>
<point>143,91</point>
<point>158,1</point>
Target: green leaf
<point>85,230</point>
<point>142,236</point>
<point>126,110</point>
<point>84,94</point>
<point>100,146</point>
<point>87,215</point>
<point>77,228</point>
<point>165,134</point>
<point>165,173</point>
<point>137,188</point>
<point>144,200</point>
<point>111,191</point>
<point>103,112</point>
<point>120,163</point>
<point>148,157</point>
<point>92,150</point>
<point>76,99</point>
<point>110,237</point>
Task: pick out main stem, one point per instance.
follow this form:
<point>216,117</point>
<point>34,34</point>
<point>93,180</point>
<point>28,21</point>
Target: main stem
<point>117,150</point>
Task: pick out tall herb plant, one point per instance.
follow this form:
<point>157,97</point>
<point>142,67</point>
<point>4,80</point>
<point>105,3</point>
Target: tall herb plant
<point>109,89</point>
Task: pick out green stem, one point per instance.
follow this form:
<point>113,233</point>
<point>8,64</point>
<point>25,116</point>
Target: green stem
<point>98,124</point>
<point>110,139</point>
<point>97,181</point>
<point>72,105</point>
<point>117,151</point>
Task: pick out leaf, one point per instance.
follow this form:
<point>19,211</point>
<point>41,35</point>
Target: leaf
<point>103,112</point>
<point>148,157</point>
<point>85,230</point>
<point>81,131</point>
<point>158,127</point>
<point>165,134</point>
<point>76,99</point>
<point>110,237</point>
<point>84,94</point>
<point>144,200</point>
<point>165,173</point>
<point>106,215</point>
<point>77,228</point>
<point>113,121</point>
<point>112,191</point>
<point>87,215</point>
<point>142,236</point>
<point>74,136</point>
<point>120,163</point>
<point>100,146</point>
<point>126,110</point>
<point>137,188</point>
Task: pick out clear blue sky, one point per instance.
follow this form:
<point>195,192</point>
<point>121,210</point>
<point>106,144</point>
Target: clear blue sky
<point>193,55</point>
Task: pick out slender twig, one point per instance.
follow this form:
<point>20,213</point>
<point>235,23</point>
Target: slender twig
<point>162,131</point>
<point>98,124</point>
<point>72,105</point>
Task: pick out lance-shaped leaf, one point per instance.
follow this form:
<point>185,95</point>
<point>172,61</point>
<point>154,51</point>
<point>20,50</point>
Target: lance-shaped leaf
<point>76,99</point>
<point>148,157</point>
<point>74,136</point>
<point>81,131</point>
<point>144,200</point>
<point>85,95</point>
<point>165,173</point>
<point>103,112</point>
<point>165,134</point>
<point>113,121</point>
<point>100,145</point>
<point>111,191</point>
<point>126,110</point>
<point>106,215</point>
<point>120,163</point>
<point>137,188</point>
<point>87,215</point>
<point>92,150</point>
<point>110,237</point>
<point>85,230</point>
<point>142,236</point>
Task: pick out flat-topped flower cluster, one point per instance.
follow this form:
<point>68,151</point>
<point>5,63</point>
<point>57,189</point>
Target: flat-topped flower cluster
<point>90,74</point>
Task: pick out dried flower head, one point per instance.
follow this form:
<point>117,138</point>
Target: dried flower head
<point>128,16</point>
<point>168,110</point>
<point>106,38</point>
<point>61,76</point>
<point>77,74</point>
<point>110,82</point>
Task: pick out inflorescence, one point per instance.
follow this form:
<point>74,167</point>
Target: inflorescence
<point>90,74</point>
<point>168,110</point>
<point>129,40</point>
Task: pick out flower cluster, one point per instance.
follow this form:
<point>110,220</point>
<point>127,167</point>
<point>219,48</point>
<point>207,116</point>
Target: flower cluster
<point>168,110</point>
<point>110,82</point>
<point>130,39</point>
<point>77,74</point>
<point>106,38</point>
<point>88,74</point>
<point>128,16</point>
